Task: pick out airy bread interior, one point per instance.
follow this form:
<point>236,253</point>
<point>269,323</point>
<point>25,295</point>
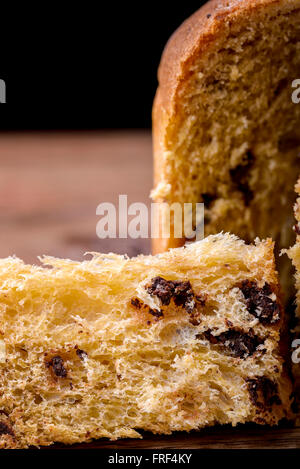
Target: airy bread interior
<point>294,255</point>
<point>294,252</point>
<point>111,345</point>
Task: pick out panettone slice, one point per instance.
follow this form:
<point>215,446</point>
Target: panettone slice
<point>111,346</point>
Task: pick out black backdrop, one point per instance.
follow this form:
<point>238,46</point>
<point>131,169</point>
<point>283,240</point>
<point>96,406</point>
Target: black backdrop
<point>86,67</point>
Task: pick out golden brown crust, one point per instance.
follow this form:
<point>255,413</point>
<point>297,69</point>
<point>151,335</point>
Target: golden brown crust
<point>194,38</point>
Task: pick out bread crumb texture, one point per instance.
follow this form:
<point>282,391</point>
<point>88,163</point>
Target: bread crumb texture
<point>111,345</point>
<point>294,255</point>
<point>226,131</point>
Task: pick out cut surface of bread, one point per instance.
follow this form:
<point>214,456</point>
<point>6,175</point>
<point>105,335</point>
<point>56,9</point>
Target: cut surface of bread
<point>226,131</point>
<point>294,252</point>
<point>110,346</point>
<point>294,255</point>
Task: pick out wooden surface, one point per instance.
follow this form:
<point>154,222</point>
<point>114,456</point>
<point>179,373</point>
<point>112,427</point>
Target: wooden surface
<point>50,186</point>
<point>242,437</point>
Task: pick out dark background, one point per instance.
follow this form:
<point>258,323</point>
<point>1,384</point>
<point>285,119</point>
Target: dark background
<point>91,66</point>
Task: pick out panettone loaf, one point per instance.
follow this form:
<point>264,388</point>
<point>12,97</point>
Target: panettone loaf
<point>226,131</point>
<point>110,346</point>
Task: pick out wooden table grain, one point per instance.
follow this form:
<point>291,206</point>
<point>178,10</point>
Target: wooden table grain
<point>241,437</point>
<point>50,187</point>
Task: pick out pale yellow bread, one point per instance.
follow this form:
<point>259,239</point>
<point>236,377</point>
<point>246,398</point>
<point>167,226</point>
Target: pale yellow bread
<point>111,346</point>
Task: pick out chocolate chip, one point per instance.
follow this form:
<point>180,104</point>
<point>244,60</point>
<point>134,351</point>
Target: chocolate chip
<point>260,420</point>
<point>282,84</point>
<point>184,296</point>
<point>240,177</point>
<point>139,305</point>
<point>81,353</point>
<point>161,288</point>
<point>239,343</point>
<point>195,321</point>
<point>210,337</point>
<point>288,142</point>
<point>259,303</point>
<point>136,303</point>
<point>5,429</point>
<point>228,323</point>
<point>156,312</point>
<point>181,292</point>
<point>201,299</point>
<point>57,365</point>
<point>263,392</point>
<point>208,199</point>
